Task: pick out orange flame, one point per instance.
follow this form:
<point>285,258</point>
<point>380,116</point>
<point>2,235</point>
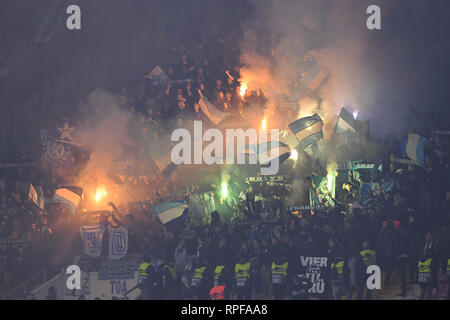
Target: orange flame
<point>264,124</point>
<point>100,193</point>
<point>243,89</point>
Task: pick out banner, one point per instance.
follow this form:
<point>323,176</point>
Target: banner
<point>118,242</point>
<point>92,237</point>
<point>305,208</point>
<point>267,179</point>
<point>407,162</point>
<point>316,269</point>
<point>356,165</point>
<point>442,132</point>
<point>17,165</point>
<point>117,269</point>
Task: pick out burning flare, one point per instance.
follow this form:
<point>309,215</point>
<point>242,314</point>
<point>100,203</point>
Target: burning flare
<point>243,89</point>
<point>100,193</point>
<point>331,178</point>
<point>294,155</point>
<point>264,123</point>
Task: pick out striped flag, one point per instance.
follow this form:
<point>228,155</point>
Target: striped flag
<point>68,198</point>
<point>307,130</point>
<point>37,196</point>
<point>270,151</point>
<point>171,213</point>
<point>412,147</point>
<point>215,115</point>
<point>345,122</point>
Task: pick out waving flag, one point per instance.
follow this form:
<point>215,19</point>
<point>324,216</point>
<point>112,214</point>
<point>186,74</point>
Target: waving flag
<point>272,150</point>
<point>158,76</point>
<point>171,213</point>
<point>68,198</point>
<point>412,147</point>
<point>307,130</point>
<point>345,122</point>
<point>319,187</point>
<point>37,196</point>
<point>215,115</point>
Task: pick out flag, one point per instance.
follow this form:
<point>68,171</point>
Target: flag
<point>118,242</point>
<point>345,122</point>
<point>314,150</point>
<point>68,198</point>
<point>37,196</point>
<point>313,200</point>
<point>165,164</point>
<point>412,147</point>
<point>319,187</point>
<point>158,76</point>
<point>272,150</point>
<point>365,193</point>
<point>57,144</point>
<point>214,115</point>
<point>307,130</point>
<point>171,213</point>
<point>92,237</point>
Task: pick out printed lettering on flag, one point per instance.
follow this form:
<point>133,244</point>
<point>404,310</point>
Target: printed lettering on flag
<point>92,237</point>
<point>118,242</point>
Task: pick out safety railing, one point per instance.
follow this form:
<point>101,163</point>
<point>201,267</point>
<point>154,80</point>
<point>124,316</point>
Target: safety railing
<point>20,292</point>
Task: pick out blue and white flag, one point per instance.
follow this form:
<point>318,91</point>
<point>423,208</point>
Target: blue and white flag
<point>412,147</point>
<point>68,198</point>
<point>307,130</point>
<point>345,122</point>
<point>158,76</point>
<point>92,237</point>
<point>171,213</point>
<point>272,150</point>
<point>215,115</point>
<point>37,196</point>
<point>118,242</point>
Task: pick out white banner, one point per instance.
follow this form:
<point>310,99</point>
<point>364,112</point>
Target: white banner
<point>118,242</point>
<point>92,237</point>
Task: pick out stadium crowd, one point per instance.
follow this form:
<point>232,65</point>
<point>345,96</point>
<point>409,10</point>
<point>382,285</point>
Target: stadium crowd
<point>398,229</point>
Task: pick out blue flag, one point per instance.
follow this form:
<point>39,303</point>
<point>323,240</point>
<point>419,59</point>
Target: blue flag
<point>412,147</point>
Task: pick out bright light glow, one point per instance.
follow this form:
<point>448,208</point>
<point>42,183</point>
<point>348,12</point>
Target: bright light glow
<point>100,193</point>
<point>224,190</point>
<point>294,155</point>
<point>243,89</point>
<point>355,115</point>
<point>331,178</point>
<point>264,123</point>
